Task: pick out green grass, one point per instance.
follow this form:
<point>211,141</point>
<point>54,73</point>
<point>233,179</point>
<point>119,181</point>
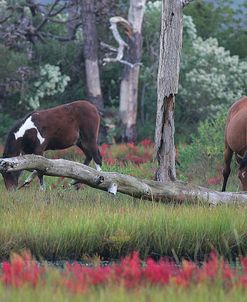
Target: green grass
<point>73,224</point>
<point>62,223</point>
<point>201,293</point>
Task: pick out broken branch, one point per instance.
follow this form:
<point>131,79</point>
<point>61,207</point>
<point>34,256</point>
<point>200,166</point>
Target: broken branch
<point>122,44</point>
<point>115,182</point>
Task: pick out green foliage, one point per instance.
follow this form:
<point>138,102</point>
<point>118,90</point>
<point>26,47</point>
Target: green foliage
<point>210,80</point>
<point>222,20</point>
<point>208,143</point>
<point>5,125</point>
<point>201,161</point>
<point>209,77</point>
<point>148,72</point>
<point>146,128</point>
<point>10,62</point>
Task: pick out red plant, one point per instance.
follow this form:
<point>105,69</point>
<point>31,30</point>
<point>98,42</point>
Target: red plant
<point>21,270</point>
<point>159,273</point>
<point>214,180</point>
<point>146,143</point>
<point>129,271</point>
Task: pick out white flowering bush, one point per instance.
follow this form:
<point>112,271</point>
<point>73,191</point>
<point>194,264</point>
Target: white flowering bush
<point>211,78</point>
<point>50,82</point>
<point>153,6</point>
<point>3,5</point>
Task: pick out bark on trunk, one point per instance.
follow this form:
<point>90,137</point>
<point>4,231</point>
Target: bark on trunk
<point>112,182</point>
<point>90,47</point>
<point>129,83</point>
<point>167,87</point>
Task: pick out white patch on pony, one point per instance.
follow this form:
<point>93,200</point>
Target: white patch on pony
<point>244,174</point>
<point>98,167</point>
<point>28,124</point>
<point>112,189</point>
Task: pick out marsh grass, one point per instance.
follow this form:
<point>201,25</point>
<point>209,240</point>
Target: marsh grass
<point>199,293</point>
<point>62,223</point>
<point>69,224</point>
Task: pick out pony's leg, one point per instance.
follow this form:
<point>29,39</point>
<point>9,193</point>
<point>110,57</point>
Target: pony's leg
<point>86,162</point>
<point>39,150</point>
<point>42,183</point>
<point>93,152</point>
<point>97,158</point>
<point>227,165</point>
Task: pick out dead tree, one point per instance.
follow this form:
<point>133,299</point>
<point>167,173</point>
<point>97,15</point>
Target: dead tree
<point>90,48</point>
<point>128,53</point>
<point>167,86</point>
<point>113,182</point>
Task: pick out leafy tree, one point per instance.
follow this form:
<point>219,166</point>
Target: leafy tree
<point>211,79</point>
<point>221,19</point>
<point>24,26</point>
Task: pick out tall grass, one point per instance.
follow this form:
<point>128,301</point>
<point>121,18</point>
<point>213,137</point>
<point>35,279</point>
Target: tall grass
<point>70,225</point>
<point>62,223</point>
<point>171,294</point>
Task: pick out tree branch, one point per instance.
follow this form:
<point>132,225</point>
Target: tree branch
<point>185,2</point>
<point>122,44</point>
<point>113,182</point>
<point>24,27</point>
<point>5,19</point>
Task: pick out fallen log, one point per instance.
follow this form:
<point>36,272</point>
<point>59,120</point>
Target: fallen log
<point>113,182</point>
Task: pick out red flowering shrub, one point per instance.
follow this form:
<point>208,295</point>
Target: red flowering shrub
<point>21,270</point>
<point>130,273</point>
<point>125,153</point>
<point>120,154</point>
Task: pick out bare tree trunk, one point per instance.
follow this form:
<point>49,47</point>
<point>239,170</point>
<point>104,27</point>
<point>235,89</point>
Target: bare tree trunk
<point>129,83</point>
<point>90,44</point>
<point>176,192</point>
<point>167,86</point>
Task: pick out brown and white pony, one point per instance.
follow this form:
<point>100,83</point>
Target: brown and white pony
<point>75,123</point>
<point>236,141</point>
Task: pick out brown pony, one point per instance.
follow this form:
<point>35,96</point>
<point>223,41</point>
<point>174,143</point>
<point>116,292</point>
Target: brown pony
<point>236,141</point>
<point>75,123</point>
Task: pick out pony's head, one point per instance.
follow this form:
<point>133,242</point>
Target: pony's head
<point>11,179</point>
<point>11,149</point>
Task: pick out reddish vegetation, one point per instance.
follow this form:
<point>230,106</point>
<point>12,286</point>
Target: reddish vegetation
<point>125,153</point>
<point>214,180</point>
<point>24,271</point>
<point>120,154</point>
<point>20,271</point>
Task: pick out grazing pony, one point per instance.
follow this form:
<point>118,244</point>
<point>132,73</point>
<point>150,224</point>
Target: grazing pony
<point>75,123</point>
<point>236,141</point>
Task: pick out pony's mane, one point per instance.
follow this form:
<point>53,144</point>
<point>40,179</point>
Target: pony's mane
<point>12,130</point>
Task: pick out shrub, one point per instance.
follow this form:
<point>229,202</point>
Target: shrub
<point>206,149</point>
